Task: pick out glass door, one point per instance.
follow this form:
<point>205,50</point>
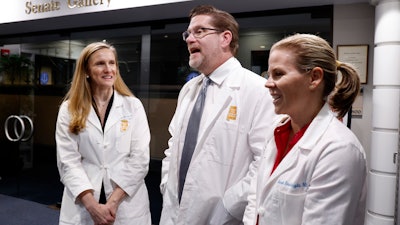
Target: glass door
<point>25,167</point>
<point>16,111</point>
<point>31,92</point>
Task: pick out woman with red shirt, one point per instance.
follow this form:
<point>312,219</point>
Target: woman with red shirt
<point>313,170</point>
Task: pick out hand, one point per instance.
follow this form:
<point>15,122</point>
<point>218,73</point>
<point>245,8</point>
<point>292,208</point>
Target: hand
<point>112,207</point>
<point>101,214</point>
<point>115,199</point>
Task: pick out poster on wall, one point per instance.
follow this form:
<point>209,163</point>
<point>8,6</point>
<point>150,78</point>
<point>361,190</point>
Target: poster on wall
<point>357,55</point>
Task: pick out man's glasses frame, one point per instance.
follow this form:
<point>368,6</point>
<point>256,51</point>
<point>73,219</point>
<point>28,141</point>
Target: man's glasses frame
<point>199,33</point>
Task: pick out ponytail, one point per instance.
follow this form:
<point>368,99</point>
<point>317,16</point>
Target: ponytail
<point>346,91</point>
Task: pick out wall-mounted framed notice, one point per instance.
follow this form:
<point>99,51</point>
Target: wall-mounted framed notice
<point>356,55</point>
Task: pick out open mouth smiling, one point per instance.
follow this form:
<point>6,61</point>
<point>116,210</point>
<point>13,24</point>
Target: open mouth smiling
<point>194,50</point>
<point>107,77</point>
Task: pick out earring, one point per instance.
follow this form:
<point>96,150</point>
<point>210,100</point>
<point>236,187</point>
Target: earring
<point>87,76</point>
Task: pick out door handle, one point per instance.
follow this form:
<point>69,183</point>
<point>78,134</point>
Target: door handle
<point>19,134</point>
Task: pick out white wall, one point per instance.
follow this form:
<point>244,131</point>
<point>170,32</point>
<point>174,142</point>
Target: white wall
<point>354,25</point>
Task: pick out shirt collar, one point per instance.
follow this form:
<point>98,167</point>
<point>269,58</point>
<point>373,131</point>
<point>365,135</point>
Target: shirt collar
<point>218,75</point>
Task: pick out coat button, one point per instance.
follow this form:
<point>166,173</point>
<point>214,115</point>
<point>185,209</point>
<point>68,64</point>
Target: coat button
<point>261,211</point>
<point>104,166</point>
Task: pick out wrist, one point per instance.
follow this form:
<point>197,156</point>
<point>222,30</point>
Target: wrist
<point>87,199</point>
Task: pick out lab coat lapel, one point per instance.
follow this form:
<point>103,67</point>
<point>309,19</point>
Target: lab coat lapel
<point>187,97</point>
<point>286,164</point>
<point>228,87</point>
<point>116,112</point>
<point>222,101</point>
<point>317,128</point>
<point>267,180</point>
<point>305,145</point>
<point>94,119</point>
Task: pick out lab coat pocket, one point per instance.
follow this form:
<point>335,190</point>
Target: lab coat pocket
<point>221,142</point>
<point>226,125</point>
<point>135,206</point>
<point>283,208</point>
<point>123,136</point>
<point>291,207</point>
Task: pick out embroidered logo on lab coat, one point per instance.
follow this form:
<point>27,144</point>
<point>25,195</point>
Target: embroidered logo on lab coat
<point>124,125</point>
<point>232,113</point>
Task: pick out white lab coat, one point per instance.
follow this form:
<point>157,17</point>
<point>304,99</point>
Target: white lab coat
<point>120,157</point>
<point>225,157</point>
<point>322,180</point>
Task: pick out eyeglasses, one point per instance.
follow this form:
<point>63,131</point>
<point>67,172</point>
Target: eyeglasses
<point>199,33</point>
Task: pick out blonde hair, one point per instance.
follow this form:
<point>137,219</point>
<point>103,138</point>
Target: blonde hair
<point>80,95</point>
<point>312,51</point>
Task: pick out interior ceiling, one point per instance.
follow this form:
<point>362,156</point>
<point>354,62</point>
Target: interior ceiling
<point>159,12</point>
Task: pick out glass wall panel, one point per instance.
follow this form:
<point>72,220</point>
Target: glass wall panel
<point>153,62</point>
<point>168,71</point>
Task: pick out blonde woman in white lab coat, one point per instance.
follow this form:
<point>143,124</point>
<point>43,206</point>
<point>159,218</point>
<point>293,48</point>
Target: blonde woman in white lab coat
<point>102,138</point>
<point>313,170</point>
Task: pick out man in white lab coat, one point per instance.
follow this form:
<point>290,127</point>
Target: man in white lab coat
<point>236,119</point>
